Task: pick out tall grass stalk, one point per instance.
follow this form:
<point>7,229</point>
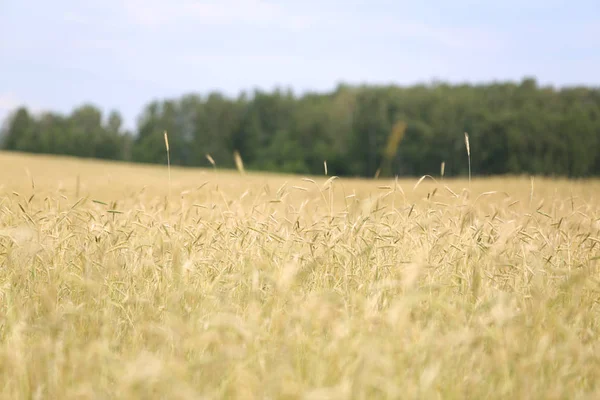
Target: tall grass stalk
<point>239,163</point>
<point>168,159</point>
<point>468,155</point>
<point>211,161</point>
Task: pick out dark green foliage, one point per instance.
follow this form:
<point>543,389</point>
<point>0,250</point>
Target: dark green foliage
<point>82,134</point>
<point>514,128</point>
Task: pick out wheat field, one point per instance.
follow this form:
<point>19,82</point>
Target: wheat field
<point>121,281</point>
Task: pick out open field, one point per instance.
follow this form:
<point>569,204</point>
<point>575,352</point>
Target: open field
<point>116,283</point>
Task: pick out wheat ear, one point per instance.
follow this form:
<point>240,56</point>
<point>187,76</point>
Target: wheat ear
<point>468,155</point>
<point>168,160</point>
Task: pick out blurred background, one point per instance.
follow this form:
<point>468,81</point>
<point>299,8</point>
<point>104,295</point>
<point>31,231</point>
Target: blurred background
<point>375,88</point>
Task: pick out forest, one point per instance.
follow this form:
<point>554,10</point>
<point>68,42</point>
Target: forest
<point>363,130</point>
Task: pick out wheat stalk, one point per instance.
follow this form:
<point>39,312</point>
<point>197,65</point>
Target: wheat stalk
<point>468,155</point>
<point>245,277</point>
<point>168,160</point>
<point>238,162</point>
<point>211,161</point>
<point>531,192</point>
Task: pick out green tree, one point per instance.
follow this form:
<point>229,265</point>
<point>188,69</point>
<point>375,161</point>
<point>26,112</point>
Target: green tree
<point>21,132</point>
<point>514,128</point>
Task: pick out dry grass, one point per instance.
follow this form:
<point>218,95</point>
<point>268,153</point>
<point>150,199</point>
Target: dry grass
<point>260,286</point>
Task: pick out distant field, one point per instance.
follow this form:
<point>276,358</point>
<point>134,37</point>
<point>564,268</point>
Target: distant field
<point>116,282</point>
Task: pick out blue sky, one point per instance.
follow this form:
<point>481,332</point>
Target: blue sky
<point>58,54</point>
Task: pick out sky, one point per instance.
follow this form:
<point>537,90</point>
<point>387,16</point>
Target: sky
<point>122,54</point>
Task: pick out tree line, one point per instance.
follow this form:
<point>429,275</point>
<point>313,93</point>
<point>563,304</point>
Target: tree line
<point>513,127</point>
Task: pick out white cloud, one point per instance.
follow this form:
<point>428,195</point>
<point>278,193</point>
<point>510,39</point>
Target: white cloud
<point>76,18</point>
<point>456,38</point>
<point>112,45</point>
<point>160,13</point>
<point>453,37</point>
<point>235,59</point>
<point>298,17</point>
